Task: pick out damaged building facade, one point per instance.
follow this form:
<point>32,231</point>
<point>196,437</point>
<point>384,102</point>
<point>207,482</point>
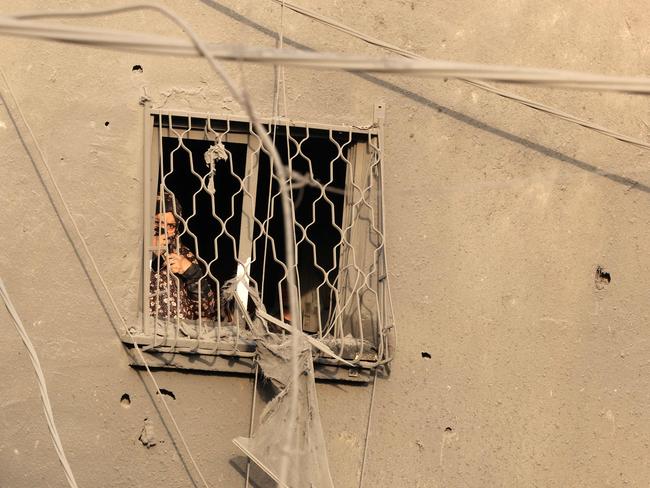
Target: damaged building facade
<point>512,245</point>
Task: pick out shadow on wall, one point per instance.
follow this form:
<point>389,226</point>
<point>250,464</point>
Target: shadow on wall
<point>460,117</point>
<point>258,478</point>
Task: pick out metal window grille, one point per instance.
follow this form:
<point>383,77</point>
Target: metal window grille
<point>219,181</point>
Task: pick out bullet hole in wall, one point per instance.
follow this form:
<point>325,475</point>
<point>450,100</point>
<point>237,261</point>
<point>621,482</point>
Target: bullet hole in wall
<point>602,279</point>
<point>137,68</point>
<point>168,393</point>
<point>426,355</point>
<point>125,400</point>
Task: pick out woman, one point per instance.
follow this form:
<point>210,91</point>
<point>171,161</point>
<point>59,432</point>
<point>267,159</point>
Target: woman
<point>175,272</point>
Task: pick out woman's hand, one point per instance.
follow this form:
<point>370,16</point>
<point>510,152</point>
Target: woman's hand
<point>159,245</point>
<point>177,264</point>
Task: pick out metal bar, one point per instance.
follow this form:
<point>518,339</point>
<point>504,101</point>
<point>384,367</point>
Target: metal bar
<point>156,170</point>
<point>146,217</point>
<point>247,225</point>
<point>379,116</point>
<point>357,279</point>
<point>365,444</point>
<point>361,130</point>
<point>294,239</point>
<point>183,343</point>
<point>199,135</point>
<point>154,175</point>
<point>267,220</point>
<point>250,427</point>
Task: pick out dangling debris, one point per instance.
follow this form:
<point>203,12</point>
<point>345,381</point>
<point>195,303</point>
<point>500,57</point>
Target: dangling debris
<point>309,463</point>
<point>216,152</point>
<point>278,431</point>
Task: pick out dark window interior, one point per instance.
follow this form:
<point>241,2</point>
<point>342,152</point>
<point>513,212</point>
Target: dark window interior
<point>314,216</point>
<point>317,217</point>
<point>187,185</point>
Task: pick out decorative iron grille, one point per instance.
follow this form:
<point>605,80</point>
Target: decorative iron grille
<point>225,222</point>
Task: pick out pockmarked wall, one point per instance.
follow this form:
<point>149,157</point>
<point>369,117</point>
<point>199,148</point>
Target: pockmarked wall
<point>513,367</point>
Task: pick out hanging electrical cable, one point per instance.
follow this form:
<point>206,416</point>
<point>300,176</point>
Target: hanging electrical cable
<point>479,84</point>
<point>241,96</point>
<point>19,26</point>
<point>40,376</point>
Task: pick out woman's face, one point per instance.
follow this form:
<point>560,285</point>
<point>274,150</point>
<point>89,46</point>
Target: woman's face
<point>163,220</point>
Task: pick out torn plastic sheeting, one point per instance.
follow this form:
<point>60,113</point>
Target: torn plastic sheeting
<point>309,466</point>
<point>318,344</point>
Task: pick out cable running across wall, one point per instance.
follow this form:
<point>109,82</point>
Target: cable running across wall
<point>479,84</point>
<point>412,65</point>
<point>243,99</point>
<point>162,45</point>
<point>397,67</point>
<point>81,248</point>
<point>40,376</point>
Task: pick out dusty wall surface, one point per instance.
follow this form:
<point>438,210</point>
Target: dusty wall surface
<point>497,218</point>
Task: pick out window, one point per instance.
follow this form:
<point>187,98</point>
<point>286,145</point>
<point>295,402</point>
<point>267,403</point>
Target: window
<point>224,234</point>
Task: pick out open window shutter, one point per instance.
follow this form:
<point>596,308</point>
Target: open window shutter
<point>358,304</point>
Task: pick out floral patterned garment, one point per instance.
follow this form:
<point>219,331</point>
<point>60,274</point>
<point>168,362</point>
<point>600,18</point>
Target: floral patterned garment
<point>174,296</point>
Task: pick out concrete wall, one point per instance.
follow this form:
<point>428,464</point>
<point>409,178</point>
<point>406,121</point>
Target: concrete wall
<point>497,219</point>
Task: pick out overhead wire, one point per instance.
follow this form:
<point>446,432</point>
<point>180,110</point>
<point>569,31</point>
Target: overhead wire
<point>94,274</point>
<point>241,96</point>
<point>474,82</point>
<point>18,25</point>
<point>275,114</point>
<point>298,58</point>
<point>291,441</point>
<point>42,386</point>
<point>284,4</point>
<point>252,420</point>
<point>368,424</point>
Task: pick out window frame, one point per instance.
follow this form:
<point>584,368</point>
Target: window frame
<point>190,353</point>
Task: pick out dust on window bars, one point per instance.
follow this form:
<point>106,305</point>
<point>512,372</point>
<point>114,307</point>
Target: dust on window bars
<point>213,229</point>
